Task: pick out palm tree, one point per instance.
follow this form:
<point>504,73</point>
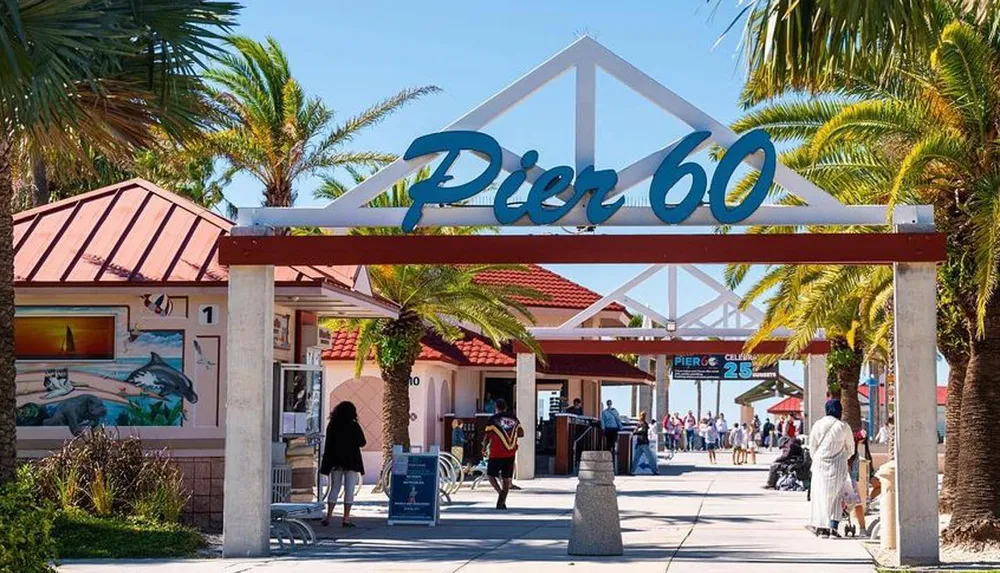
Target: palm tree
<point>53,91</point>
<point>809,298</point>
<point>933,123</point>
<point>149,78</point>
<point>267,127</point>
<point>431,299</point>
<point>794,45</point>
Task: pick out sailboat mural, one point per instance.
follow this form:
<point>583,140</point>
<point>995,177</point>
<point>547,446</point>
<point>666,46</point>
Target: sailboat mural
<point>68,347</point>
<point>78,367</point>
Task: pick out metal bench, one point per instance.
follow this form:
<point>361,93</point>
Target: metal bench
<point>288,526</point>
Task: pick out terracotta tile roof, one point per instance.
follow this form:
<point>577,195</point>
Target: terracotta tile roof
<point>477,350</point>
<point>790,405</point>
<point>562,292</point>
<point>133,232</point>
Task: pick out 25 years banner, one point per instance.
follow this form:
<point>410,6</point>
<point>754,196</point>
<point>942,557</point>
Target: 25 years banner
<point>721,367</point>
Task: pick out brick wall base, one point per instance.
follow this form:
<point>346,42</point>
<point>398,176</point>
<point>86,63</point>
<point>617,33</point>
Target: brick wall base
<point>204,478</point>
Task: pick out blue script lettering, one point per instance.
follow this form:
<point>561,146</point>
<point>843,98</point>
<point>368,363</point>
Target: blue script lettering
<point>590,182</point>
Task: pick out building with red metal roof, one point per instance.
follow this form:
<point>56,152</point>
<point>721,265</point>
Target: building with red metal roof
<point>120,320</point>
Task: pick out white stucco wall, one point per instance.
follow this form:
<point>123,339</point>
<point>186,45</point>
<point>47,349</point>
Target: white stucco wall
<point>426,408</point>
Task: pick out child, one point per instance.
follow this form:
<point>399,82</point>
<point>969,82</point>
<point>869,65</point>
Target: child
<point>751,449</point>
<point>739,444</point>
<point>458,441</point>
<point>710,434</point>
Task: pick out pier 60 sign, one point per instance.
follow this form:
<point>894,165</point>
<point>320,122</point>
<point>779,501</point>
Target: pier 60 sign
<point>595,183</point>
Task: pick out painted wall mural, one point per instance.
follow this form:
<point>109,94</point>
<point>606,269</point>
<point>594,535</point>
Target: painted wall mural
<point>142,385</point>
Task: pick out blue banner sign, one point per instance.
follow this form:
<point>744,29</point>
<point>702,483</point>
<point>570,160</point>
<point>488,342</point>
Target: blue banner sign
<point>590,183</point>
<point>413,489</point>
<point>721,367</point>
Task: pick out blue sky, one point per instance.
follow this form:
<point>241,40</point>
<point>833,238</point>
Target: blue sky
<point>352,54</point>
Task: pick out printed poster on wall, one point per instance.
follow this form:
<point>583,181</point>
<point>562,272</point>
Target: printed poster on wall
<point>282,337</point>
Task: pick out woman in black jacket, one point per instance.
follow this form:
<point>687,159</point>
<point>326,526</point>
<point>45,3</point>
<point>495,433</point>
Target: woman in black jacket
<point>342,458</point>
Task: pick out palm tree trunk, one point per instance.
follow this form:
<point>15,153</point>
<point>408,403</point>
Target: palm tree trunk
<point>278,194</point>
<point>976,501</point>
<point>698,385</point>
<point>42,193</point>
<point>846,365</point>
<point>8,404</point>
<point>397,351</point>
<point>957,366</point>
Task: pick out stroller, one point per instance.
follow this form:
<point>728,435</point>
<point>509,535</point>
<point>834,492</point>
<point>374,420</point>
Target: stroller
<point>795,474</point>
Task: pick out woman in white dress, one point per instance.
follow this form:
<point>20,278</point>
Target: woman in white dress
<point>831,444</point>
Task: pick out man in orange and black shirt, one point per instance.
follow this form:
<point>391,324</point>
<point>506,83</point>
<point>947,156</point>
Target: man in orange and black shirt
<point>502,432</point>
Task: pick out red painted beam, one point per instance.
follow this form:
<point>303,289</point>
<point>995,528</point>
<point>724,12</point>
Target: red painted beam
<point>834,248</point>
<point>675,347</point>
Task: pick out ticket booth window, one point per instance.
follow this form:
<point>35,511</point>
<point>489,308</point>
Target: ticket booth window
<point>301,400</point>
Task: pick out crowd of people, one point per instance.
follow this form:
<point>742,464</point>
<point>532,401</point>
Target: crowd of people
<point>831,463</point>
<point>711,433</point>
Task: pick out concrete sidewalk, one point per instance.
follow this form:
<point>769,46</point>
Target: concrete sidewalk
<point>691,516</point>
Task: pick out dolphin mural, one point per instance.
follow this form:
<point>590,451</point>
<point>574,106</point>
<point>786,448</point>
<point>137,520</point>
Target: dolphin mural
<point>160,378</point>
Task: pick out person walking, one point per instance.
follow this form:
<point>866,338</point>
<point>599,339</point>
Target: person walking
<point>678,430</point>
<point>791,428</point>
<point>611,424</point>
<point>502,432</point>
<point>709,437</point>
<point>690,424</point>
<point>750,448</point>
<point>642,449</point>
<point>883,433</point>
<point>669,426</point>
<point>831,444</point>
<point>458,441</point>
<point>737,441</point>
<point>723,428</point>
<point>767,434</point>
<point>342,459</point>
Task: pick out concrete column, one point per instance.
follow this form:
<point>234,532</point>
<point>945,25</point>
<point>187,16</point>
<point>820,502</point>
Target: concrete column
<point>815,390</point>
<point>662,396</point>
<point>249,384</point>
<point>645,391</point>
<point>916,414</point>
<point>527,396</point>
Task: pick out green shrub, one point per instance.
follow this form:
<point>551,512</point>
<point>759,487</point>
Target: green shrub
<point>165,502</point>
<point>105,475</point>
<point>82,536</point>
<point>66,486</point>
<point>26,544</point>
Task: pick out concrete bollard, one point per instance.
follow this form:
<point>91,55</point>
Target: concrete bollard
<point>596,528</point>
<point>886,474</point>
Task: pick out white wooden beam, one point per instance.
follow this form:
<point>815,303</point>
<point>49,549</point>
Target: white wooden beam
<point>647,312</point>
<point>586,115</point>
<point>482,114</point>
<point>611,297</point>
<point>626,216</point>
<point>699,312</point>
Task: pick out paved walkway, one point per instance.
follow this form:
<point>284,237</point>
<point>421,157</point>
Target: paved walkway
<point>692,516</point>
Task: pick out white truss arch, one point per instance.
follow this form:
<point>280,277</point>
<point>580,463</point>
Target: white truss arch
<point>720,317</point>
<point>583,56</point>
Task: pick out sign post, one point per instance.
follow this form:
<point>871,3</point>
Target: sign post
<point>413,488</point>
